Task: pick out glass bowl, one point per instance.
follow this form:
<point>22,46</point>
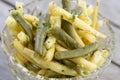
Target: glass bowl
<point>22,73</point>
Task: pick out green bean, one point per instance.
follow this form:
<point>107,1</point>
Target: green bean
<point>32,67</point>
<point>62,36</point>
<point>24,24</point>
<point>79,52</point>
<point>72,65</point>
<point>41,33</point>
<point>40,37</point>
<point>66,5</point>
<point>67,27</point>
<point>81,71</point>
